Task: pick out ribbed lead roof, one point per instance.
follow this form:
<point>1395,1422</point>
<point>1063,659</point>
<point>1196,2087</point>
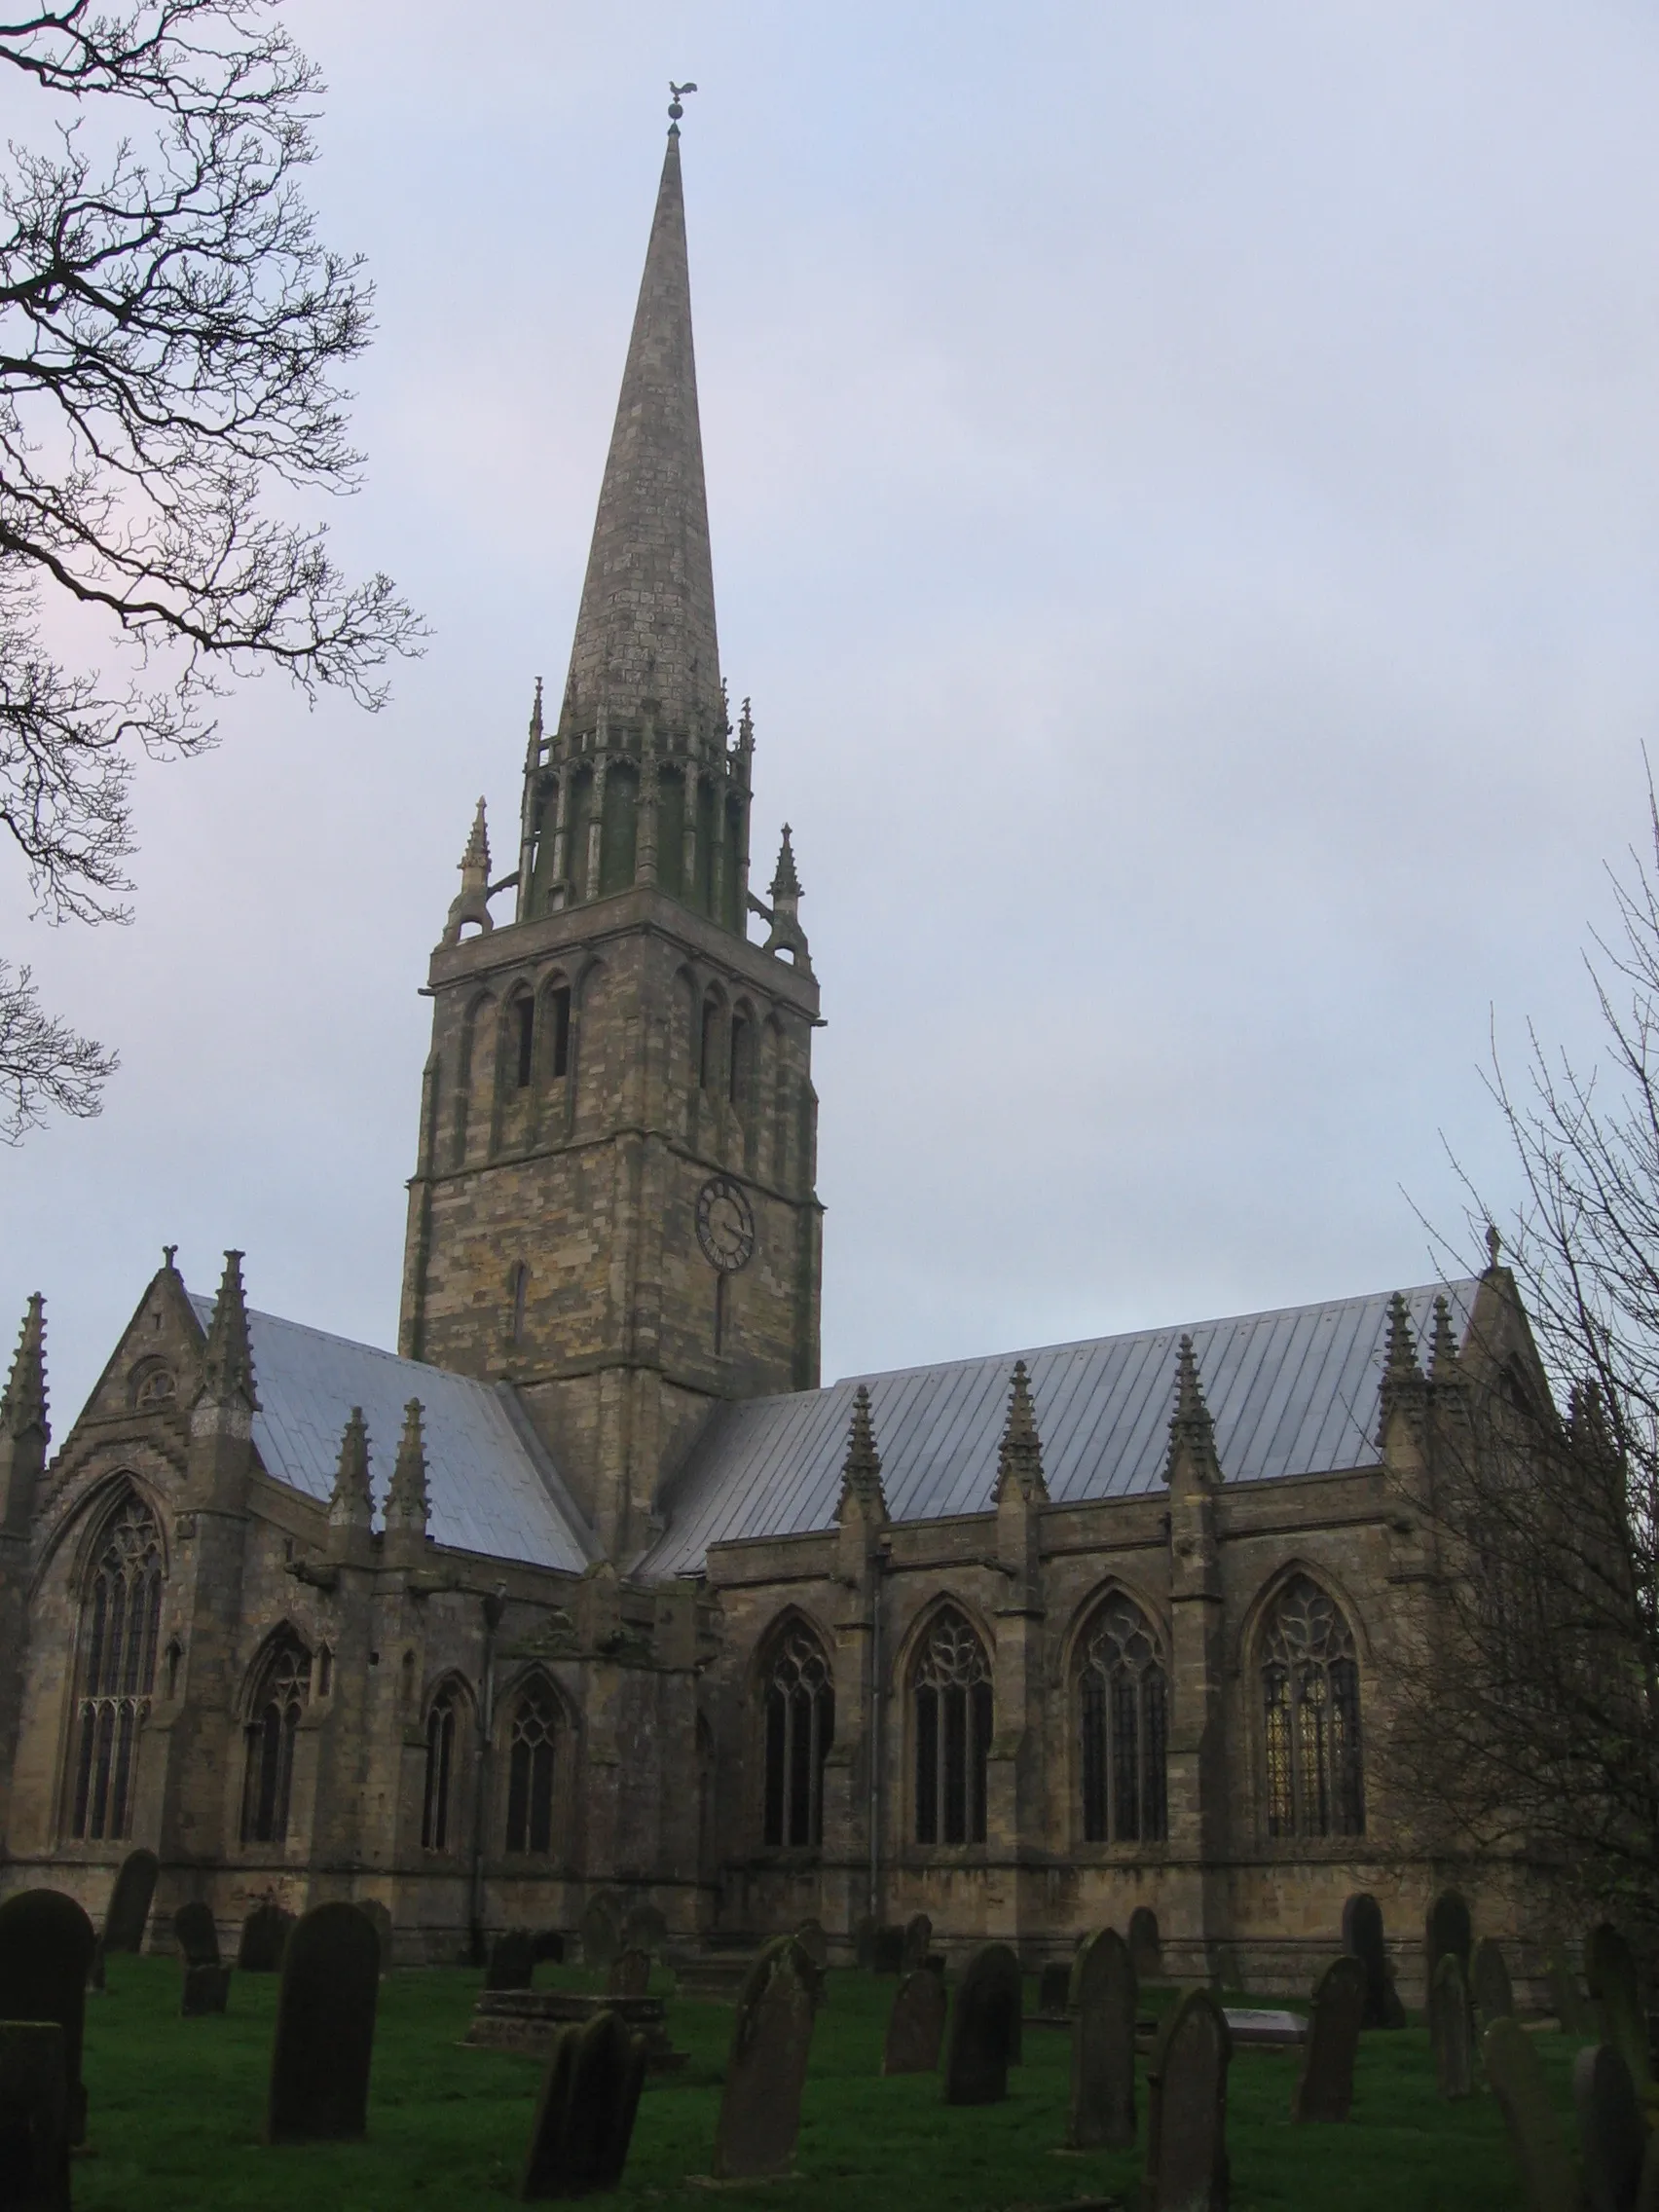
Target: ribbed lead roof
<point>1291,1392</point>
<point>493,1489</point>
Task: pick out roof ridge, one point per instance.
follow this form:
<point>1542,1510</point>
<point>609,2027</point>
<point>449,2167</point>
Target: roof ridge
<point>205,1306</point>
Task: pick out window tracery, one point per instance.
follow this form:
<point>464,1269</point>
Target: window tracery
<point>119,1622</point>
<point>437,1810</point>
<point>532,1759</point>
<point>951,1716</point>
<point>799,1702</point>
<point>268,1774</point>
<point>1122,1715</point>
<point>1309,1674</point>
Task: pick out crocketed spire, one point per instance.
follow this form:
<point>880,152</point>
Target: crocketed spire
<point>352,1504</point>
<point>1442,1346</point>
<point>786,883</point>
<point>1403,1380</point>
<point>22,1405</point>
<point>861,1470</point>
<point>1191,1432</point>
<point>407,1504</point>
<point>1020,1461</point>
<point>227,1362</point>
<point>784,914</point>
<point>646,643</point>
<point>471,903</point>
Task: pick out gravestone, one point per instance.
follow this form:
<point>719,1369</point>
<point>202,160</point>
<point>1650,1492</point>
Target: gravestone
<point>1611,2132</point>
<point>602,1938</point>
<point>207,1991</point>
<point>128,1911</point>
<point>1566,1999</point>
<point>379,1917</point>
<point>1101,1998</point>
<point>1548,2182</point>
<point>264,1939</point>
<point>45,1948</point>
<point>1324,2088</point>
<point>1494,1993</point>
<point>629,1975</point>
<point>814,1942</point>
<point>197,1933</point>
<point>547,1947</point>
<point>1363,1939</point>
<point>771,2036</point>
<point>325,2028</point>
<point>984,2028</point>
<point>1186,2144</point>
<point>512,1960</point>
<point>1448,1930</point>
<point>918,1941</point>
<point>34,2118</point>
<point>1615,1987</point>
<point>1145,1947</point>
<point>646,1930</point>
<point>1449,2032</point>
<point>1054,1985</point>
<point>915,2026</point>
<point>585,2114</point>
<point>888,1952</point>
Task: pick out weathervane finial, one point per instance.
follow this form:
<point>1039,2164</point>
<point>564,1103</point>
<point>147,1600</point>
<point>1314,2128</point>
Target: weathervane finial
<point>674,110</point>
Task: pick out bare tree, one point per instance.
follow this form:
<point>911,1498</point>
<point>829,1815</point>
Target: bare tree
<point>172,331</point>
<point>1529,1714</point>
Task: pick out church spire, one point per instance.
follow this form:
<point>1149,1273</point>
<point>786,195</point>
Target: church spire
<point>645,644</point>
<point>22,1406</point>
<point>226,1359</point>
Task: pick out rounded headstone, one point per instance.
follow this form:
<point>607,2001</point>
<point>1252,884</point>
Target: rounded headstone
<point>771,2037</point>
<point>985,2027</point>
<point>1186,2149</point>
<point>46,1950</point>
<point>325,2028</point>
<point>197,1933</point>
<point>128,1911</point>
<point>1102,1999</point>
<point>1324,2088</point>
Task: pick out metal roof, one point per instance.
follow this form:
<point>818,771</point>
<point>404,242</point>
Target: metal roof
<point>1292,1392</point>
<point>491,1486</point>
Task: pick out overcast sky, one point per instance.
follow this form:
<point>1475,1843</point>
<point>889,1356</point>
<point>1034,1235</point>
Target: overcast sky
<point>1185,493</point>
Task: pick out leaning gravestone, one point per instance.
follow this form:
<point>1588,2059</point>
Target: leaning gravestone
<point>1449,2033</point>
<point>1324,2088</point>
<point>325,2028</point>
<point>915,2026</point>
<point>34,2118</point>
<point>197,1933</point>
<point>512,1960</point>
<point>128,1911</point>
<point>1547,2179</point>
<point>1611,2132</point>
<point>1101,1999</point>
<point>1610,1971</point>
<point>1145,1947</point>
<point>814,1942</point>
<point>771,2036</point>
<point>379,1917</point>
<point>1186,2147</point>
<point>918,1941</point>
<point>1494,1993</point>
<point>645,1929</point>
<point>584,2115</point>
<point>984,2028</point>
<point>264,1939</point>
<point>629,1975</point>
<point>1449,1930</point>
<point>1566,1999</point>
<point>602,1938</point>
<point>45,1948</point>
<point>1363,1939</point>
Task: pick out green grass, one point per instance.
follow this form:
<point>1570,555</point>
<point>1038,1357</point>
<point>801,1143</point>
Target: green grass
<point>176,2108</point>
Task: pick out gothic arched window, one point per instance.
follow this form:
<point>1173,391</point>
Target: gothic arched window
<point>532,1748</point>
<point>1123,1713</point>
<point>951,1707</point>
<point>437,1807</point>
<point>1315,1783</point>
<point>268,1773</point>
<point>121,1616</point>
<point>800,1726</point>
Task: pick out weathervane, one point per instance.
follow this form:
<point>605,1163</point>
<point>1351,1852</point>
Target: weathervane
<point>674,110</point>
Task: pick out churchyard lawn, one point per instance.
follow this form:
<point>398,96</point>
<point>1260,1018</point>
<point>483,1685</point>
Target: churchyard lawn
<point>176,2108</point>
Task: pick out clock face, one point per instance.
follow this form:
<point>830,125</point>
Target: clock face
<point>726,1225</point>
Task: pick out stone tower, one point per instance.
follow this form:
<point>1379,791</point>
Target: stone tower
<point>613,1203</point>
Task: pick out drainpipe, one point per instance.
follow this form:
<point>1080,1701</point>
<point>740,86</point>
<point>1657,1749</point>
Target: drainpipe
<point>873,1736</point>
<point>495,1605</point>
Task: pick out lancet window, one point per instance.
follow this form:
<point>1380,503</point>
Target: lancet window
<point>121,1616</point>
<point>268,1774</point>
<point>532,1745</point>
<point>1314,1780</point>
<point>438,1807</point>
<point>799,1702</point>
<point>1124,1719</point>
<point>951,1720</point>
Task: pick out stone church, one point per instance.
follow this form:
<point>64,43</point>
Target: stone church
<point>593,1587</point>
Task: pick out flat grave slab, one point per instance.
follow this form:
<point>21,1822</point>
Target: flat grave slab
<point>529,2020</point>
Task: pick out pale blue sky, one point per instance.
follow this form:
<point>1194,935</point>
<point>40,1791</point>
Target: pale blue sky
<point>1184,495</point>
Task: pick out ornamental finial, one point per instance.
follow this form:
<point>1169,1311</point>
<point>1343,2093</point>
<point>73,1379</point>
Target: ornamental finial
<point>674,110</point>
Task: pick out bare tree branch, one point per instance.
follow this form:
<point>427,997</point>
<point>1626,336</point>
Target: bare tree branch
<point>44,1066</point>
